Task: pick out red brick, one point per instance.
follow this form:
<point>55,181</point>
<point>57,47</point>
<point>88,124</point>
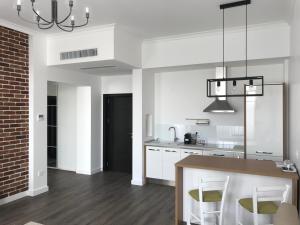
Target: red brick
<point>14,112</point>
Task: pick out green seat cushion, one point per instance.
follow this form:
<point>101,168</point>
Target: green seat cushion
<point>262,207</point>
<point>208,196</point>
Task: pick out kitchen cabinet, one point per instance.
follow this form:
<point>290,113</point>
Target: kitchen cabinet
<point>169,158</point>
<point>265,157</point>
<point>160,161</point>
<point>187,152</point>
<point>265,124</point>
<point>154,162</point>
<point>218,153</point>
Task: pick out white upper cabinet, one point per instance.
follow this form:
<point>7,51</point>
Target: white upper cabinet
<point>265,123</point>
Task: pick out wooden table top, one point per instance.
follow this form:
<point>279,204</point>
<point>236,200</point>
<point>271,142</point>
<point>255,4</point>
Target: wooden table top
<point>246,166</point>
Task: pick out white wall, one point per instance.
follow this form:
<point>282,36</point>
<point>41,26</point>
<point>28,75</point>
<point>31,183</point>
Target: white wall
<point>181,94</point>
<point>128,48</point>
<point>116,84</point>
<point>148,104</point>
<point>294,86</point>
<point>39,75</point>
<point>264,41</point>
<point>66,127</point>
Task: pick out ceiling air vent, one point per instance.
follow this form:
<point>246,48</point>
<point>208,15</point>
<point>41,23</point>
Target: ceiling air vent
<point>79,54</point>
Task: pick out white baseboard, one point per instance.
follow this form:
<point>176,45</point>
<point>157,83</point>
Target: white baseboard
<point>65,169</point>
<point>38,191</point>
<point>98,170</point>
<point>84,172</point>
<point>13,198</point>
<point>91,172</point>
<point>138,182</point>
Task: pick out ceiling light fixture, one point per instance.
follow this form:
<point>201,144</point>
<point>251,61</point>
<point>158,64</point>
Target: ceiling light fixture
<point>237,86</point>
<point>46,24</point>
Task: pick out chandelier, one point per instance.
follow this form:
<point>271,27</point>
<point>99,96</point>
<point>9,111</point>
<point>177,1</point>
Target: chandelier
<point>62,24</point>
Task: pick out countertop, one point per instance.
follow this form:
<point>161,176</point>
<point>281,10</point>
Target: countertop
<point>224,147</point>
<point>245,166</point>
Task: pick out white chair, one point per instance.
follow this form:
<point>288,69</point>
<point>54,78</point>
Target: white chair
<point>210,190</point>
<point>264,201</point>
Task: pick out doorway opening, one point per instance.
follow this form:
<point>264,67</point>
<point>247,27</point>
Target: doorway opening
<point>52,125</point>
<point>117,133</point>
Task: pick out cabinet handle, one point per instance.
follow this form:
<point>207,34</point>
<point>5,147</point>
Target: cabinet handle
<point>219,155</point>
<point>153,150</point>
<point>170,151</point>
<point>266,153</point>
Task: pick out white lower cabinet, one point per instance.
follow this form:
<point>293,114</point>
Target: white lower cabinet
<point>169,158</point>
<point>218,153</point>
<point>160,162</point>
<point>265,157</point>
<point>187,152</point>
<point>154,162</point>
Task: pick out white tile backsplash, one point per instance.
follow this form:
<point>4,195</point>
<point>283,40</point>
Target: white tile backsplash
<point>211,133</point>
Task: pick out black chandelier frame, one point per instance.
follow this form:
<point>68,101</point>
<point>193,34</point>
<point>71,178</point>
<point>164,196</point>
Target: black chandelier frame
<point>45,24</point>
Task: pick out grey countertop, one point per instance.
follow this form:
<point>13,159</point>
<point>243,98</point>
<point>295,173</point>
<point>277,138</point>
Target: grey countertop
<point>206,147</point>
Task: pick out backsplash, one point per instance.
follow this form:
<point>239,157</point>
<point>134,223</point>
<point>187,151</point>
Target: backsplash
<point>214,134</point>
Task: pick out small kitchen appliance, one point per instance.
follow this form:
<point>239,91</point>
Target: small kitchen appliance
<point>188,138</point>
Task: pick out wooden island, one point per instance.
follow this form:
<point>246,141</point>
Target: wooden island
<point>245,175</point>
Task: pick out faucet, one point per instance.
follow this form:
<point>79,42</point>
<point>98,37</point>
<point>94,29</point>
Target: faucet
<point>175,137</point>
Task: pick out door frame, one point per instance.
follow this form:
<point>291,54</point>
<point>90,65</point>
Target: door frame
<point>105,98</point>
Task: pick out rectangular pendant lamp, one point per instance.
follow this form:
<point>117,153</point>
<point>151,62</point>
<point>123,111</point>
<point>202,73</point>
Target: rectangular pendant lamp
<point>236,86</point>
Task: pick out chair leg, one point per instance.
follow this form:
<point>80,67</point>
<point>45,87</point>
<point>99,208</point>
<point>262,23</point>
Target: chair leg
<point>237,215</point>
<point>255,218</point>
<point>202,214</point>
<point>189,211</point>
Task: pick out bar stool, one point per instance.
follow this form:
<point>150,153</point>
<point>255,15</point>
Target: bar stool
<point>211,190</point>
<point>263,202</point>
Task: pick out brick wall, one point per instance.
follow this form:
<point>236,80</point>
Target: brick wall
<point>14,118</point>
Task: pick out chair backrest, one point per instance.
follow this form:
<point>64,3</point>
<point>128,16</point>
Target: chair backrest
<point>215,184</point>
<point>272,193</point>
<point>278,194</point>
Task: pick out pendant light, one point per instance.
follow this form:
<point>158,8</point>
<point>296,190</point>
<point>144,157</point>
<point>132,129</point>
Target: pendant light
<point>236,86</point>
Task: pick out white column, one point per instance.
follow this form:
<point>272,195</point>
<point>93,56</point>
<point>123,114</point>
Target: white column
<point>137,129</point>
<point>84,153</point>
<point>37,127</point>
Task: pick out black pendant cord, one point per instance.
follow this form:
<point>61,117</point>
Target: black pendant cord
<point>246,40</point>
<point>223,44</point>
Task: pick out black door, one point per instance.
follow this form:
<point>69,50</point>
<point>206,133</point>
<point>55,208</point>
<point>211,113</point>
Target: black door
<point>117,144</point>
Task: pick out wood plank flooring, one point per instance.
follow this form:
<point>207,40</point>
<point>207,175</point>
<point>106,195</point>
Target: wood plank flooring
<point>101,199</point>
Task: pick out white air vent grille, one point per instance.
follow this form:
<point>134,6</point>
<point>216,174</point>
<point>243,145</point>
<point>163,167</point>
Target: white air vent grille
<point>79,54</point>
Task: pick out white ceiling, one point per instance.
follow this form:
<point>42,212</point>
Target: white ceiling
<point>154,18</point>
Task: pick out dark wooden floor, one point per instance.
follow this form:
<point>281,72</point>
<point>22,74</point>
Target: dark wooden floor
<point>101,199</point>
